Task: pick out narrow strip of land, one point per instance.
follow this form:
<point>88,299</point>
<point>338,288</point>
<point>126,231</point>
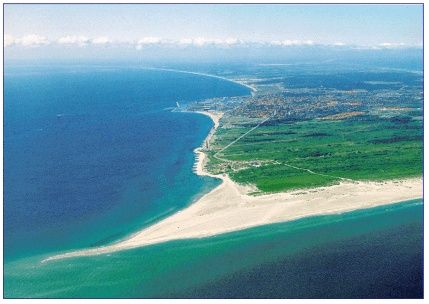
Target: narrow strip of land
<point>229,208</point>
<point>252,88</point>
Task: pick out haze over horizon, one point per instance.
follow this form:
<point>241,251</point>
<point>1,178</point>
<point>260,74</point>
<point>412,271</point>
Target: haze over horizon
<point>206,31</point>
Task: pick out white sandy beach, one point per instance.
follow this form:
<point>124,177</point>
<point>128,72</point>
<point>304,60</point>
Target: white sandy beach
<point>229,208</point>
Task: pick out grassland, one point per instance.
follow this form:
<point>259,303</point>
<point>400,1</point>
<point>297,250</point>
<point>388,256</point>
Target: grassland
<point>314,153</point>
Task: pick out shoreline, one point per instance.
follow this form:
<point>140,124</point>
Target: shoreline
<point>201,157</point>
<point>252,88</point>
<point>229,208</point>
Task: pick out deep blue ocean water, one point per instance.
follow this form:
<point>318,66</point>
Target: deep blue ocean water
<point>91,154</point>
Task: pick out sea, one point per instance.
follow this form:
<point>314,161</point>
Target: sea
<point>95,153</point>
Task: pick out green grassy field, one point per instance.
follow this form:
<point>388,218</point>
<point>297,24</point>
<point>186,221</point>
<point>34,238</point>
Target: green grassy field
<point>276,158</point>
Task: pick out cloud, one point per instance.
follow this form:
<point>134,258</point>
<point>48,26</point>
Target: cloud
<point>232,41</point>
<point>101,40</point>
<point>391,45</point>
<point>74,40</point>
<point>203,41</point>
<point>148,41</point>
<point>26,41</point>
<point>288,42</point>
<point>185,42</point>
<point>82,41</point>
<point>8,40</point>
<point>388,45</point>
<point>199,42</point>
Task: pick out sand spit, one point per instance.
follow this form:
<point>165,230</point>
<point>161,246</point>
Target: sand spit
<point>229,208</point>
<point>252,88</point>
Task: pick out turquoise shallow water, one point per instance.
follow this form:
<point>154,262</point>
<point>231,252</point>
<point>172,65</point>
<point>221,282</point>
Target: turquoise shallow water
<point>372,253</point>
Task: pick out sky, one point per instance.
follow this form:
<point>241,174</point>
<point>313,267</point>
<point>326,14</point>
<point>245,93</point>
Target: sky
<point>137,27</point>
